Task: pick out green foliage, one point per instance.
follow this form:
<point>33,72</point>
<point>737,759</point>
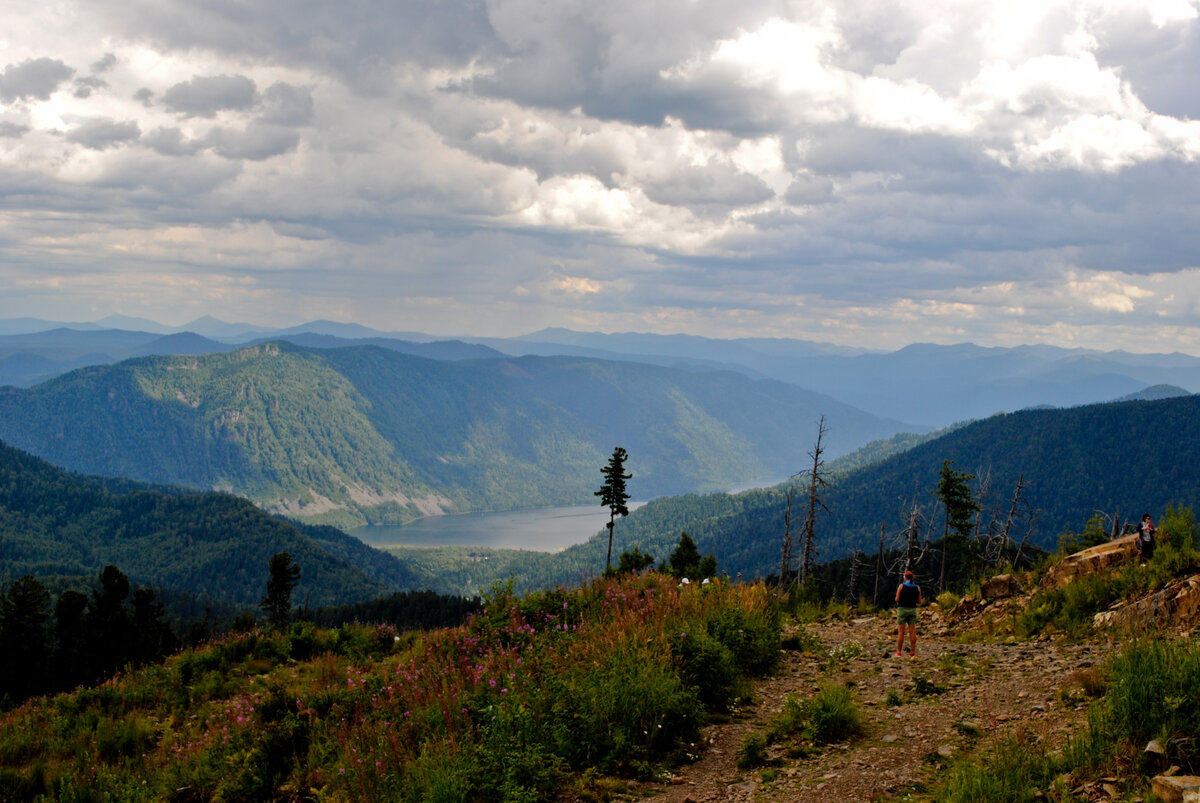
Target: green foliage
<point>509,706</point>
<point>753,751</point>
<point>1150,692</point>
<point>208,549</point>
<point>1093,534</point>
<point>613,495</point>
<point>277,603</point>
<point>634,561</point>
<point>1071,609</point>
<point>685,561</point>
<point>831,715</point>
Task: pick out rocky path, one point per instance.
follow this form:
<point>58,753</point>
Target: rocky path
<point>919,713</point>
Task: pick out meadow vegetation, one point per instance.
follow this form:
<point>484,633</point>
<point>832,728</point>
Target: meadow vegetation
<point>533,695</point>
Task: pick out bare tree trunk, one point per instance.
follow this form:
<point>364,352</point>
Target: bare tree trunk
<point>912,534</point>
<point>785,564</point>
<point>815,485</point>
<point>852,591</point>
<point>1021,546</point>
<point>878,567</point>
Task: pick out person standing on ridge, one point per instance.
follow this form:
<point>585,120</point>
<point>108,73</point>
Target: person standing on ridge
<point>1145,539</point>
<point>908,597</point>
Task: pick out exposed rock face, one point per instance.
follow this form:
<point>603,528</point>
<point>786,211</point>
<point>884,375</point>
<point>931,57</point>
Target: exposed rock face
<point>1176,604</point>
<point>1092,560</point>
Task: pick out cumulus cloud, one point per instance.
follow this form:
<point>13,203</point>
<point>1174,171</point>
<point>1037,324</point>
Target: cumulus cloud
<point>99,135</point>
<point>33,79</point>
<point>881,171</point>
<point>204,96</point>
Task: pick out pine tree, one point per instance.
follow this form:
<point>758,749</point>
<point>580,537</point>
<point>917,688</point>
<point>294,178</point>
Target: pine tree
<point>278,601</point>
<point>613,496</point>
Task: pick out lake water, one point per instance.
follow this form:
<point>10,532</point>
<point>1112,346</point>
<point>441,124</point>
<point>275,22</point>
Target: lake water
<point>542,530</point>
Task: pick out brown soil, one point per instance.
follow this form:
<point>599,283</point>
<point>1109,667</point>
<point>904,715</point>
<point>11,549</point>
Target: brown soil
<point>982,690</point>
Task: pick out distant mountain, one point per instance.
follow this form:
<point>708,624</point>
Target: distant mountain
<point>30,358</point>
<point>54,524</point>
<point>367,434</point>
<point>1155,392</point>
<point>433,350</point>
<point>927,384</point>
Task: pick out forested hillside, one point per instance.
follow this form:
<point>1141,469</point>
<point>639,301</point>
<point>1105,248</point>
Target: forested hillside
<point>58,525</point>
<point>366,434</point>
<point>1121,458</point>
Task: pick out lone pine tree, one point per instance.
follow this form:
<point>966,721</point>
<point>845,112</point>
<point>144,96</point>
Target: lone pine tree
<point>613,496</point>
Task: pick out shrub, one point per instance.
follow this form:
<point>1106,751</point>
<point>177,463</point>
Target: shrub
<point>753,751</point>
<point>829,716</point>
<point>707,665</point>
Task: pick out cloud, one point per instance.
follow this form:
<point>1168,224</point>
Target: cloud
<point>33,79</point>
<point>207,95</point>
<point>256,141</point>
<point>881,171</point>
<point>284,104</point>
<point>100,135</point>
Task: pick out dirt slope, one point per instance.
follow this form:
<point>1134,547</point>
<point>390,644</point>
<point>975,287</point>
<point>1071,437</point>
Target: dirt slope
<point>946,702</point>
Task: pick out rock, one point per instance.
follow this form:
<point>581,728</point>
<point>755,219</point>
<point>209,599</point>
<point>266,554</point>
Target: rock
<point>945,750</point>
<point>1176,604</point>
<point>1176,788</point>
<point>1090,561</point>
<point>1000,586</point>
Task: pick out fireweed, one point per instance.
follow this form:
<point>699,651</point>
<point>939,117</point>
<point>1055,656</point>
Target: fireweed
<point>613,677</point>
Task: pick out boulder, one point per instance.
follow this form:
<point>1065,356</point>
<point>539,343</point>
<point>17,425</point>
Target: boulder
<point>1000,586</point>
<point>1091,560</point>
<point>1176,788</point>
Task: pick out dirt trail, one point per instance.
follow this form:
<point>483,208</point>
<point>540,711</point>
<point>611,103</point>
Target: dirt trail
<point>951,699</point>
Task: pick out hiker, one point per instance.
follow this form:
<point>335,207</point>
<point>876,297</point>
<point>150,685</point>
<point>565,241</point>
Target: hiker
<point>908,597</point>
<point>1145,539</point>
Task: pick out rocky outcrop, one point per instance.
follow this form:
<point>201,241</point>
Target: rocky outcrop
<point>1091,560</point>
<point>1177,604</point>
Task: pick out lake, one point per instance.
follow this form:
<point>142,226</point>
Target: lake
<point>542,530</point>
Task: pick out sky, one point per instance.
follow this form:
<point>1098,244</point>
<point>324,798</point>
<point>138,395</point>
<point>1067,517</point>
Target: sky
<point>870,174</point>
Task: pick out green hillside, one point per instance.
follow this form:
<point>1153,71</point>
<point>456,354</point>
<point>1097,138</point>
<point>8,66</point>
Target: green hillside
<point>1125,458</point>
<point>54,524</point>
<point>366,434</point>
<point>1121,458</point>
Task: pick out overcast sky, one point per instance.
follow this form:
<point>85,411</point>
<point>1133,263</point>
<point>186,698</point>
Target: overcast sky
<point>864,173</point>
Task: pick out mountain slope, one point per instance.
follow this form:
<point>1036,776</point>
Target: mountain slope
<point>369,434</point>
<point>57,524</point>
<point>1124,458</point>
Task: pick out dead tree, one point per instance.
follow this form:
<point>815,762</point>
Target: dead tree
<point>879,566</point>
<point>816,483</point>
<point>852,590</point>
<point>785,564</point>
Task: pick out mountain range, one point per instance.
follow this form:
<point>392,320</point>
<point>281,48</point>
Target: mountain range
<point>365,434</point>
<point>927,386</point>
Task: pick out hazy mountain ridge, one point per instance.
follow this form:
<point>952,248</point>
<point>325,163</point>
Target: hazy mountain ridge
<point>925,384</point>
<point>369,434</point>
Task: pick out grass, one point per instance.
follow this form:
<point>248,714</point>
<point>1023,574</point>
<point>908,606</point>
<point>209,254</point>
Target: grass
<point>530,697</point>
<point>1147,691</point>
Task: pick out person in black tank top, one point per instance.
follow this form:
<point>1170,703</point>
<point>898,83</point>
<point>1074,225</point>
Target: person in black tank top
<point>908,597</point>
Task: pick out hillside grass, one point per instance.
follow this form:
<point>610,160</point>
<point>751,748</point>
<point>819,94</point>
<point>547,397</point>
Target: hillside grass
<point>531,697</point>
